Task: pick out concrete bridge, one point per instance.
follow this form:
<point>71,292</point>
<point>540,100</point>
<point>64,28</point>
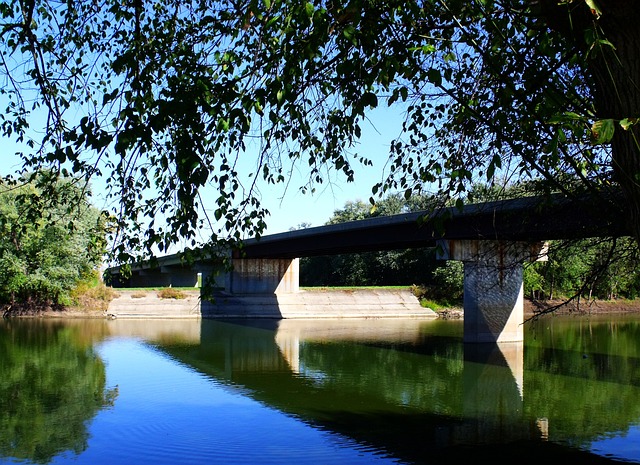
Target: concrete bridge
<point>493,240</point>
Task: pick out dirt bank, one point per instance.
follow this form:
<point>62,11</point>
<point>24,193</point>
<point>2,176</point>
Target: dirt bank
<point>559,307</point>
<point>583,307</point>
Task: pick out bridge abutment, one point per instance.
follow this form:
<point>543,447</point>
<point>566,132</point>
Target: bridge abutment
<point>493,286</point>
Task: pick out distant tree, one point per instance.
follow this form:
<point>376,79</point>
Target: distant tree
<point>300,226</point>
<point>42,259</point>
<point>391,267</point>
<point>352,211</point>
<point>602,268</point>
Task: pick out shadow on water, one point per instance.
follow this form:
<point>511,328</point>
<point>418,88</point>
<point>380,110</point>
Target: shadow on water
<point>413,390</point>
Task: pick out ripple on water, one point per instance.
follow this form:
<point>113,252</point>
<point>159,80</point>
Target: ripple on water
<point>172,442</point>
<point>166,413</point>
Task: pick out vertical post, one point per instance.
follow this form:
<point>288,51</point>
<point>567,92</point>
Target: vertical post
<point>493,286</point>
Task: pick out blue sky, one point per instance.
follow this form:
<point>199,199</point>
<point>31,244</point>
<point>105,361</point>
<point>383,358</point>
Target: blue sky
<point>295,208</point>
<point>289,208</point>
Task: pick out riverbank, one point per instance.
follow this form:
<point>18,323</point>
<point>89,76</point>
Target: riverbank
<point>309,303</point>
<point>584,307</point>
<point>561,307</point>
<point>147,304</point>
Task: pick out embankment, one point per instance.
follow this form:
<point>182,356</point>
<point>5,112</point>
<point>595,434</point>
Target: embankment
<point>361,303</point>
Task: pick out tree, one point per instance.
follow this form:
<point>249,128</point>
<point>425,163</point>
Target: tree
<point>601,268</point>
<point>167,97</point>
<point>42,259</point>
<point>390,267</point>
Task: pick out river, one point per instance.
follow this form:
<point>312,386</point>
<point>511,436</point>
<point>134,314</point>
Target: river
<point>93,391</point>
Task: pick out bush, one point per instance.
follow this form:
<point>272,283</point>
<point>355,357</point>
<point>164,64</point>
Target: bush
<point>448,282</point>
<point>92,294</point>
<point>171,293</point>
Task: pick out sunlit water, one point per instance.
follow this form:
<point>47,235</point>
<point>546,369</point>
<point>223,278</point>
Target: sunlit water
<point>317,392</point>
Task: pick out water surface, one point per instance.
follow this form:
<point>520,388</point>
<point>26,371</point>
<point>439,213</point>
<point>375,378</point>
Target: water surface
<point>316,392</point>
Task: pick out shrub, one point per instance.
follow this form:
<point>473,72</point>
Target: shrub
<point>171,293</point>
<point>90,294</point>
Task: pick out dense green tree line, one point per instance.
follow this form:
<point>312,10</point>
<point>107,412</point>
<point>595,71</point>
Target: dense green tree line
<point>42,258</point>
<point>602,268</point>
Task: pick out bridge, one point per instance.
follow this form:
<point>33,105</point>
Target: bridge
<point>493,239</point>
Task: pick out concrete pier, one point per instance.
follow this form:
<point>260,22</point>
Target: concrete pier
<point>493,286</point>
<point>263,276</point>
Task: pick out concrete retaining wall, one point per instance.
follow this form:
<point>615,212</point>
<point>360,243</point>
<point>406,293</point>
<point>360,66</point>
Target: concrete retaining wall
<point>365,303</point>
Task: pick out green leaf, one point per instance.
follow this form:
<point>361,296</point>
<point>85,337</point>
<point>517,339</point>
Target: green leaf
<point>626,123</point>
<point>370,99</point>
<point>594,7</point>
<point>434,76</point>
<point>568,117</point>
<point>602,131</point>
<point>310,9</point>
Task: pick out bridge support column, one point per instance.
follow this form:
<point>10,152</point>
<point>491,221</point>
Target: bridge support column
<point>264,276</point>
<point>493,292</point>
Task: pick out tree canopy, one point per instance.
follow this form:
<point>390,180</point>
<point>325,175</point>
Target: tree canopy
<point>165,98</point>
<point>43,258</point>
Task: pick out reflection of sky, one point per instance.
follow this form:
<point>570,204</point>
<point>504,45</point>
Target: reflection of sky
<point>622,446</point>
<point>165,413</point>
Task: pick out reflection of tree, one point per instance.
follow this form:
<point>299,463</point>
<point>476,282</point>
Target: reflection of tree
<point>52,382</point>
<point>391,376</point>
<point>583,370</point>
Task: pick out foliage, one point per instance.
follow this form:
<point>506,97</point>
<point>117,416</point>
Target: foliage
<point>92,293</point>
<point>383,268</point>
<point>589,268</point>
<point>167,98</point>
<point>448,281</point>
<point>42,259</point>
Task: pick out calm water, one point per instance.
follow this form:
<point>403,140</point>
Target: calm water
<point>317,392</point>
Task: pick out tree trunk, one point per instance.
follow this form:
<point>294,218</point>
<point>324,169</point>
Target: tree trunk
<point>616,72</point>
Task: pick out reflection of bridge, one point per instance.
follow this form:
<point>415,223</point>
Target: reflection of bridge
<point>410,389</point>
<point>434,398</point>
<point>492,239</point>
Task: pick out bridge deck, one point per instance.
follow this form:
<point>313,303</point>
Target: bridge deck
<point>525,219</point>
